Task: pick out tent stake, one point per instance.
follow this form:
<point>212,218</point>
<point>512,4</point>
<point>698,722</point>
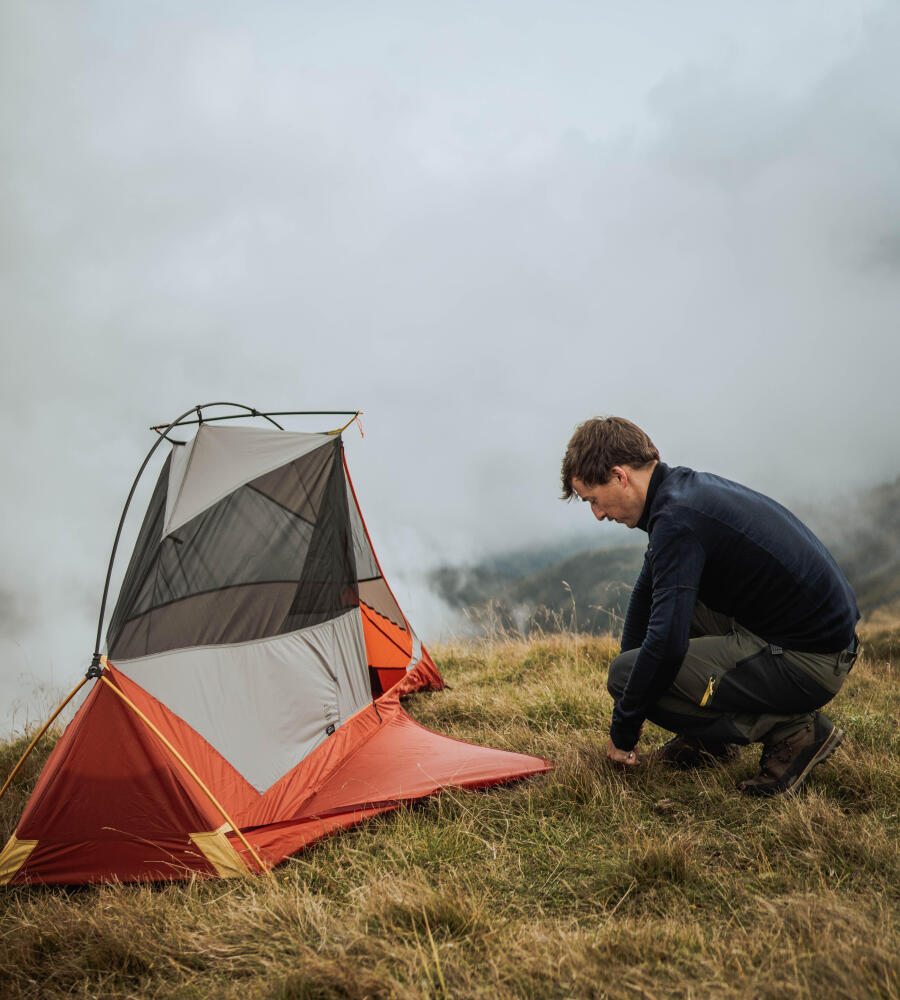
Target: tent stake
<point>191,772</point>
<point>46,726</point>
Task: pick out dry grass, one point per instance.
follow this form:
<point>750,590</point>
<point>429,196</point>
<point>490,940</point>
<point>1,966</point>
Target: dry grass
<point>576,884</point>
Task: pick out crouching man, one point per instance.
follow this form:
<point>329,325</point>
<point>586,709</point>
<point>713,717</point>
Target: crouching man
<point>740,626</point>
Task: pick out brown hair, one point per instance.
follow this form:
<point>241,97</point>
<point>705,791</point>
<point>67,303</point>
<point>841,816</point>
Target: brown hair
<point>599,444</point>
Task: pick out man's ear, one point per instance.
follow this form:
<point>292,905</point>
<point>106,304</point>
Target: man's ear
<point>619,474</point>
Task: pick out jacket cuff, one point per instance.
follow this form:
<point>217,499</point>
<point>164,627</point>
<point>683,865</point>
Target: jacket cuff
<point>624,737</point>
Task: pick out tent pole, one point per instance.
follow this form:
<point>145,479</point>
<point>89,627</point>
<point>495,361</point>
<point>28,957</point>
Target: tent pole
<point>33,743</point>
<point>267,416</point>
<point>191,772</point>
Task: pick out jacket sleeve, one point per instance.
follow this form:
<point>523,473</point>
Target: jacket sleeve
<point>637,617</point>
<point>676,559</point>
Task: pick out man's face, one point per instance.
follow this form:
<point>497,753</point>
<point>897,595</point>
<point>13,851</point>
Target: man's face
<point>619,500</point>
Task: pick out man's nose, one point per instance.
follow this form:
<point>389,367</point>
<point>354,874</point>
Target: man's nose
<point>599,514</point>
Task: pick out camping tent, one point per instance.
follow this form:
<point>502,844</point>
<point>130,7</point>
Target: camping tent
<point>249,700</point>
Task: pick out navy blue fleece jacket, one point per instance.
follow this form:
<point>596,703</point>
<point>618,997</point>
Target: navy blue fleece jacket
<point>741,554</point>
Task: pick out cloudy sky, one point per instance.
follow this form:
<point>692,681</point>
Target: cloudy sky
<point>478,222</point>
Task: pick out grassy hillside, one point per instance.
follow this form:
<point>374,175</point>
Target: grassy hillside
<point>582,883</point>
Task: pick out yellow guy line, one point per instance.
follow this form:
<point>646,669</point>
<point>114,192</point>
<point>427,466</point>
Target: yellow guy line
<point>33,743</point>
<point>341,430</point>
<point>191,772</point>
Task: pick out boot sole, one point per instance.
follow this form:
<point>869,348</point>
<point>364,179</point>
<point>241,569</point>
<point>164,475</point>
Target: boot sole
<point>831,742</point>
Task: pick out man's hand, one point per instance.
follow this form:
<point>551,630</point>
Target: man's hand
<point>622,758</point>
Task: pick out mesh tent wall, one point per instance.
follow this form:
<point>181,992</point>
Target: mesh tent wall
<point>249,702</point>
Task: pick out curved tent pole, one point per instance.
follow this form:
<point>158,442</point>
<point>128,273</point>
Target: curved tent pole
<point>353,414</point>
<point>95,669</point>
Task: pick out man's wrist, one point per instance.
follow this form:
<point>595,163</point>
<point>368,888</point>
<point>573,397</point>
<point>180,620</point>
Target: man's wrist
<point>624,737</point>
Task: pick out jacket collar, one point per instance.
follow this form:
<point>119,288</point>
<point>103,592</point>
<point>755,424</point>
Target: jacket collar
<point>659,474</point>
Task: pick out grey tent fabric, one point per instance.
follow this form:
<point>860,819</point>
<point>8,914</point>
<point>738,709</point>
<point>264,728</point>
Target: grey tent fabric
<point>264,705</point>
<point>219,459</point>
<point>244,618</point>
<point>271,556</point>
<point>253,600</point>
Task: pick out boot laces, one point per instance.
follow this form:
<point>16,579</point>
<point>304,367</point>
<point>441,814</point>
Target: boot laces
<point>782,752</point>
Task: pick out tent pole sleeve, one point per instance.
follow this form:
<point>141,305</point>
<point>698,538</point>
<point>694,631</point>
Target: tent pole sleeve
<point>44,729</point>
<point>190,771</point>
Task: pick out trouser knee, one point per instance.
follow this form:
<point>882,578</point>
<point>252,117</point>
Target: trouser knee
<point>619,672</point>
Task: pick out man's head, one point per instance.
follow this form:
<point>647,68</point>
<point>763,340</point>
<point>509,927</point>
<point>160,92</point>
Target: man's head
<point>608,463</point>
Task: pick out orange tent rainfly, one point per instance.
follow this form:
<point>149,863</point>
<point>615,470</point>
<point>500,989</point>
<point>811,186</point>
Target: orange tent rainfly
<point>249,700</point>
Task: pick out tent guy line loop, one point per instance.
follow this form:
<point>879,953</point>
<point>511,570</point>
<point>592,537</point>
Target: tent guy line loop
<point>215,802</point>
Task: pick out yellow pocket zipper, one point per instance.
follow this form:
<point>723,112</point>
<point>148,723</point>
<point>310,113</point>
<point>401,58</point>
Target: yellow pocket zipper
<point>707,694</point>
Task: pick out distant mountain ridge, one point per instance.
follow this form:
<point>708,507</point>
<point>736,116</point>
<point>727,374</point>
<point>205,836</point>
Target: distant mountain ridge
<point>868,547</point>
<point>589,589</point>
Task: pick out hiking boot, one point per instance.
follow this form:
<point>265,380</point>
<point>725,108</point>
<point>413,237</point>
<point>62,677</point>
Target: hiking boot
<point>687,752</point>
<point>785,765</point>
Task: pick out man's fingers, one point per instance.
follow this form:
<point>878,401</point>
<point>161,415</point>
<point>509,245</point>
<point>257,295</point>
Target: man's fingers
<point>622,758</point>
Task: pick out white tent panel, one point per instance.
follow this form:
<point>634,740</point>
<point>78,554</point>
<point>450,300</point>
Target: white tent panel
<point>264,705</point>
<point>220,459</point>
